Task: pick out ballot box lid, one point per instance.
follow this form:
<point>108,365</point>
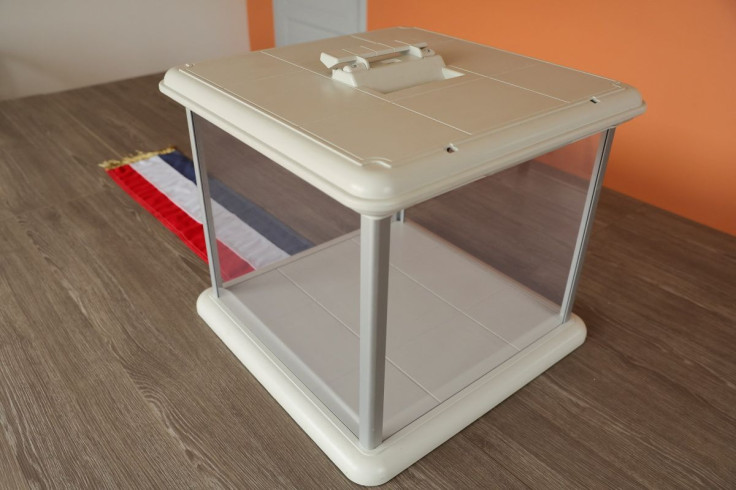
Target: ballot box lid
<point>389,118</point>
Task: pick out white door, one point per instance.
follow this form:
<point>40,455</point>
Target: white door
<point>298,21</point>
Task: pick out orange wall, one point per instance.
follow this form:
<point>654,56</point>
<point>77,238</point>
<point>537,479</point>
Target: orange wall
<point>260,24</point>
<point>681,55</point>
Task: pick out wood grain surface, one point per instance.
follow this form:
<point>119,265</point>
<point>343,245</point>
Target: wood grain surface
<point>109,379</point>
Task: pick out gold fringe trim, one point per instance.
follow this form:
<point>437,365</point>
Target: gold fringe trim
<point>137,157</point>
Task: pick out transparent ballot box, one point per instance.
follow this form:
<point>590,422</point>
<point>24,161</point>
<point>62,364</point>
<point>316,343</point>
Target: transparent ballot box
<point>396,222</point>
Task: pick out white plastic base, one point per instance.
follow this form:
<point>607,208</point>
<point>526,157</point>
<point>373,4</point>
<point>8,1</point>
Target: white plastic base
<point>409,444</point>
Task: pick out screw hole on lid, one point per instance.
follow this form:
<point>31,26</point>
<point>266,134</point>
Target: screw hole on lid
<point>451,148</point>
<point>595,100</point>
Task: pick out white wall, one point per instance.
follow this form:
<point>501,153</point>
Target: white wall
<point>299,21</point>
<point>53,45</point>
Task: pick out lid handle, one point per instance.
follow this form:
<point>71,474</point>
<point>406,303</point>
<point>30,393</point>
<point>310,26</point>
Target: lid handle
<point>350,61</point>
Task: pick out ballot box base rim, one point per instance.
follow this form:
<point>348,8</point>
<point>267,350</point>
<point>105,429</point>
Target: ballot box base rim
<point>405,447</point>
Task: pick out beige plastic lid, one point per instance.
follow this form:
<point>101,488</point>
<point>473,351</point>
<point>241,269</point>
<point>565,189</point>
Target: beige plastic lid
<point>386,119</point>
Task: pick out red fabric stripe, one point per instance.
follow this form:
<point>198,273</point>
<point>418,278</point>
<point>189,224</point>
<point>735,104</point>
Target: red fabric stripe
<point>187,229</point>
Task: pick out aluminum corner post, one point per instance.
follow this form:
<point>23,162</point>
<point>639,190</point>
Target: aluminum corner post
<point>374,266</point>
<point>208,222</point>
<point>586,223</point>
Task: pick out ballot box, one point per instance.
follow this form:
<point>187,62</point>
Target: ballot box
<point>419,211</point>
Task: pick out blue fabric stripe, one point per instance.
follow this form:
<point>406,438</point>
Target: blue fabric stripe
<point>181,164</point>
<point>256,217</point>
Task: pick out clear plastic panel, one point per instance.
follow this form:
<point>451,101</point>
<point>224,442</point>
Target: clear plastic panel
<point>476,274</point>
<point>523,221</point>
<point>265,217</point>
<point>262,212</point>
<point>480,272</point>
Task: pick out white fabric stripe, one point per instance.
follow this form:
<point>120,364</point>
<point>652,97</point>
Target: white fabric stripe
<point>250,245</point>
